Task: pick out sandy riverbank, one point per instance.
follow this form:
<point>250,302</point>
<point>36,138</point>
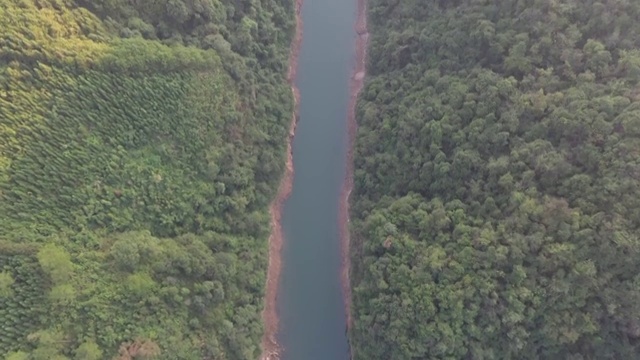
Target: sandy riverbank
<point>270,346</point>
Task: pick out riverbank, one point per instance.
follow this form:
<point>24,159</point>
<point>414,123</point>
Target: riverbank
<point>270,347</point>
<point>356,83</point>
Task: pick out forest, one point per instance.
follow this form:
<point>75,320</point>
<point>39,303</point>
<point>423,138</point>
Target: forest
<point>496,205</point>
<point>141,142</point>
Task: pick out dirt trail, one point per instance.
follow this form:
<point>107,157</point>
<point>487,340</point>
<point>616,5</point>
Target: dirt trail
<point>270,346</point>
<point>355,86</point>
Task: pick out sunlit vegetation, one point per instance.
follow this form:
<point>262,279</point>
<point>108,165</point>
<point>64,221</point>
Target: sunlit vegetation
<point>140,145</point>
<point>497,188</point>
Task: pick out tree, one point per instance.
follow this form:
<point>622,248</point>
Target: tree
<point>126,254</point>
<point>88,350</point>
<point>6,281</point>
<point>62,294</point>
<point>140,284</point>
<point>56,262</point>
<point>50,342</point>
<point>17,355</point>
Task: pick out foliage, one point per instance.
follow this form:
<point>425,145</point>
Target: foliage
<point>22,311</point>
<point>88,350</point>
<point>496,182</point>
<point>6,281</point>
<point>140,146</point>
<point>56,262</point>
<point>49,344</point>
<point>18,355</point>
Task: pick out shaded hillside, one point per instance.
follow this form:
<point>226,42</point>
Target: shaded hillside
<point>140,145</point>
<point>497,183</point>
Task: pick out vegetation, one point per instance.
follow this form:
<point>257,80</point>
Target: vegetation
<point>497,186</point>
<point>140,145</point>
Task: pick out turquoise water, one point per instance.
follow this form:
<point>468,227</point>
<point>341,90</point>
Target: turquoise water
<point>310,302</point>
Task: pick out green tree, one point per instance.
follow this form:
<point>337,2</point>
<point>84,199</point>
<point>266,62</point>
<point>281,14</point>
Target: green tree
<point>50,342</point>
<point>62,294</point>
<point>126,254</point>
<point>6,281</point>
<point>56,261</point>
<point>88,350</point>
<point>140,284</point>
<point>17,355</point>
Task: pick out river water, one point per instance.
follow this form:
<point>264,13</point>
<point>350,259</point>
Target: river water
<point>310,300</point>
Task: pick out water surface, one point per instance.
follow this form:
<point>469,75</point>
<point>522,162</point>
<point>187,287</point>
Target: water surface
<point>310,302</point>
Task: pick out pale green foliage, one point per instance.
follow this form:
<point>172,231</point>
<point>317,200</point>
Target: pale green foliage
<point>88,350</point>
<point>49,344</point>
<point>6,281</point>
<point>140,284</point>
<point>56,261</point>
<point>62,294</point>
<point>17,355</point>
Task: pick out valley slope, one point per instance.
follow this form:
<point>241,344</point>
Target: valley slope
<point>496,192</point>
<point>140,145</point>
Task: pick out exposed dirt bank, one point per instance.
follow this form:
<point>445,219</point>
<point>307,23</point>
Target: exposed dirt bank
<point>355,86</point>
<point>270,347</point>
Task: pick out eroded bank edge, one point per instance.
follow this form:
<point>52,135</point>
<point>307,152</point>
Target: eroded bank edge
<point>356,84</point>
<point>270,346</point>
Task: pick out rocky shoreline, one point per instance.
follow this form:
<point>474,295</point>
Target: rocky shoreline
<point>270,346</point>
<point>356,84</point>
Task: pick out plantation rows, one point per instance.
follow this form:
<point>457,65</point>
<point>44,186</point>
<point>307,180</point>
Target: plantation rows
<point>138,154</point>
<point>20,313</point>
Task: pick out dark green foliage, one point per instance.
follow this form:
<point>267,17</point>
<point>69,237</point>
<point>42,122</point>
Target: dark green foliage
<point>140,145</point>
<point>496,200</point>
<point>22,311</point>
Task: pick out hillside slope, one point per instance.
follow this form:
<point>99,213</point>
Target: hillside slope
<point>140,145</point>
<point>497,182</point>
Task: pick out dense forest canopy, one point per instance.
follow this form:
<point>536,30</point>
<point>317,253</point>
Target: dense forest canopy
<point>140,144</point>
<point>497,181</point>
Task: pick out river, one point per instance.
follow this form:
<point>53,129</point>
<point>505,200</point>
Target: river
<point>310,301</point>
